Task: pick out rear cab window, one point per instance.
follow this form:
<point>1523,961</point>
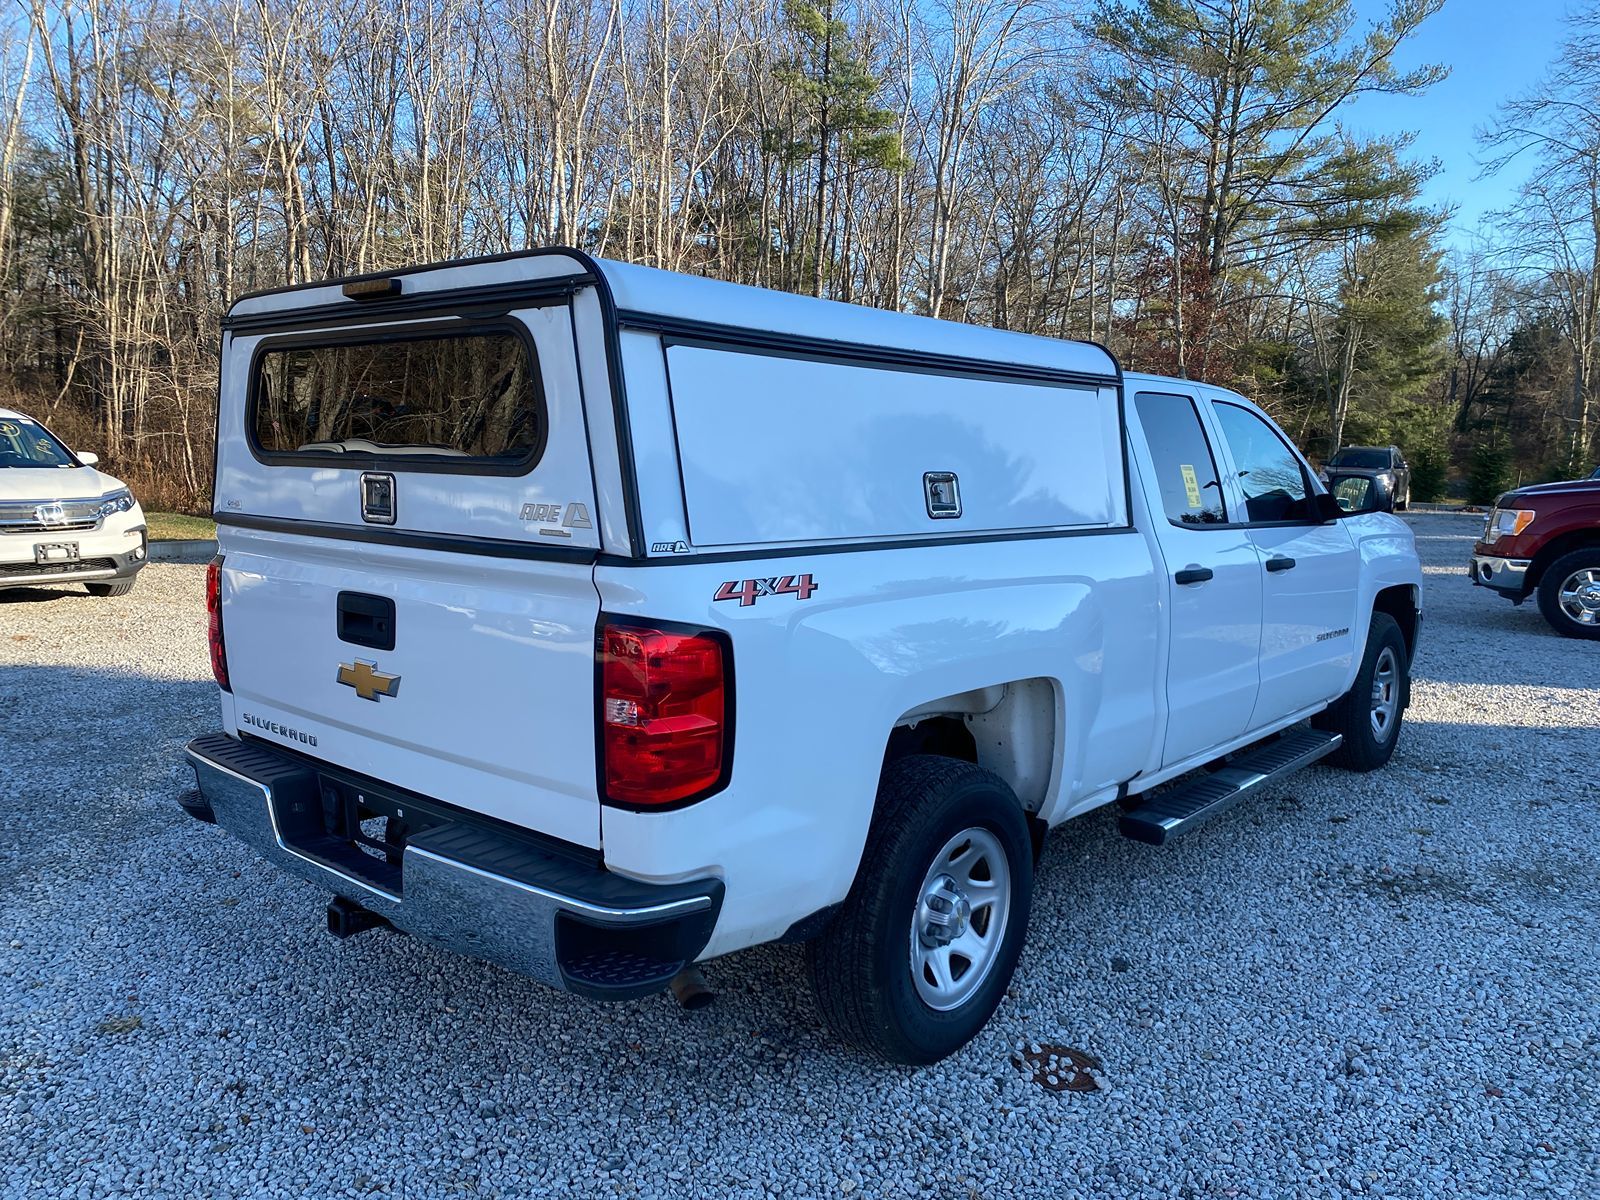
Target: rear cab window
<point>410,401</point>
<point>1186,470</point>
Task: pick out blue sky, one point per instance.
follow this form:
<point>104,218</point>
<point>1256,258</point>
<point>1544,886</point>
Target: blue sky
<point>1495,50</point>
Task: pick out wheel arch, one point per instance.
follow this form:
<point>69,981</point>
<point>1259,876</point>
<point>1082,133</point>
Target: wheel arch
<point>1013,729</point>
<point>1401,602</point>
<point>1557,547</point>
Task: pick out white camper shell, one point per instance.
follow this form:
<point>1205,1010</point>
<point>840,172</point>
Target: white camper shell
<point>593,619</point>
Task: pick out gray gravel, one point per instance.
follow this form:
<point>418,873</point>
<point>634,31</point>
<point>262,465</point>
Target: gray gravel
<point>1379,986</point>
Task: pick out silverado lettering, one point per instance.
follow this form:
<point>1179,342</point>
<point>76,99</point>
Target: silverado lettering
<point>272,727</point>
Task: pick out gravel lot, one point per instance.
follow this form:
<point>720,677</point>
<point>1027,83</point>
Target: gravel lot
<point>1383,986</point>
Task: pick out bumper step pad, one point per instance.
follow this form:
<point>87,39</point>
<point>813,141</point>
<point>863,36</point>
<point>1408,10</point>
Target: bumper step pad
<point>1182,808</point>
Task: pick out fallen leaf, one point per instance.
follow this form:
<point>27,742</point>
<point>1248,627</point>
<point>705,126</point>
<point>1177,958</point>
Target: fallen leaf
<point>1059,1068</point>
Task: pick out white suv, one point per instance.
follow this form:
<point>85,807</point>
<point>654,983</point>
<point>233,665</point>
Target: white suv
<point>62,521</point>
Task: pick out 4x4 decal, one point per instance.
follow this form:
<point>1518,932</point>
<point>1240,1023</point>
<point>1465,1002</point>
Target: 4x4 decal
<point>748,591</point>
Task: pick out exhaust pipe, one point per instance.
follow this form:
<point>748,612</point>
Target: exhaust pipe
<point>346,918</point>
<point>690,989</point>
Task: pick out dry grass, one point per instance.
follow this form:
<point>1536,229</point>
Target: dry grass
<point>179,527</point>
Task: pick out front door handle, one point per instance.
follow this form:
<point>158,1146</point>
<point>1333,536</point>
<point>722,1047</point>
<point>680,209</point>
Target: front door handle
<point>1193,575</point>
<point>1281,563</point>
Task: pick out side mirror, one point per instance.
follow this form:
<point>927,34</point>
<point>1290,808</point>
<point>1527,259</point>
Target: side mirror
<point>87,458</point>
<point>1349,495</point>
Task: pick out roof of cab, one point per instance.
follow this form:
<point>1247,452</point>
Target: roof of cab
<point>1132,380</point>
<point>648,291</point>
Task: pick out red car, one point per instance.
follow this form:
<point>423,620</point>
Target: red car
<point>1545,541</point>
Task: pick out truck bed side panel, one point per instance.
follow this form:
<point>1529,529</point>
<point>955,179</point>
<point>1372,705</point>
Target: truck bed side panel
<point>821,682</point>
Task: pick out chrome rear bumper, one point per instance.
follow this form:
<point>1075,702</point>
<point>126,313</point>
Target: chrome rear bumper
<point>473,886</point>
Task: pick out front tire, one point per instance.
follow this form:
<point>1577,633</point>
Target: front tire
<point>1569,594</point>
<point>920,954</point>
<point>117,587</point>
<point>1369,715</point>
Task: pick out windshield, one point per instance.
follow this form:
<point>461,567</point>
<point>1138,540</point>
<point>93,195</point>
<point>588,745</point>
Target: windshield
<point>26,443</point>
<point>1360,458</point>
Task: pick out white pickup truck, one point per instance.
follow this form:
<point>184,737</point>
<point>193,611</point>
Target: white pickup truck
<point>598,621</point>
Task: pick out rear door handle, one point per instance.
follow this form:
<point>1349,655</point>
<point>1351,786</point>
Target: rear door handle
<point>1193,575</point>
<point>1280,563</point>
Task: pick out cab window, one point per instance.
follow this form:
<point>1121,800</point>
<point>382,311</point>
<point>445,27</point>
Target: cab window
<point>1191,491</point>
<point>1274,483</point>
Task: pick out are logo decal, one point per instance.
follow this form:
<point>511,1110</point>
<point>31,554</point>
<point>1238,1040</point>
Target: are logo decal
<point>568,516</point>
<point>573,516</point>
<point>748,591</point>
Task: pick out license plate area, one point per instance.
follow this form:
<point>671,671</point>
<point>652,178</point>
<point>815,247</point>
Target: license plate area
<point>355,830</point>
<point>360,827</point>
<point>55,552</point>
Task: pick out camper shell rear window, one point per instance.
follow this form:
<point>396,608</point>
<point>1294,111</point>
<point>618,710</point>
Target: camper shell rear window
<point>427,400</point>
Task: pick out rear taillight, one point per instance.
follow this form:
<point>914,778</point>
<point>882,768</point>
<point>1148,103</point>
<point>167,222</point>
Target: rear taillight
<point>665,713</point>
<point>219,652</point>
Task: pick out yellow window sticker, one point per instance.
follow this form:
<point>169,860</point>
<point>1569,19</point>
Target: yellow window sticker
<point>1191,485</point>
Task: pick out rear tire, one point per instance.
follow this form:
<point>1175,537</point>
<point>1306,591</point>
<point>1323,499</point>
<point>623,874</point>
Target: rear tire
<point>117,587</point>
<point>1370,714</point>
<point>1569,594</point>
<point>946,879</point>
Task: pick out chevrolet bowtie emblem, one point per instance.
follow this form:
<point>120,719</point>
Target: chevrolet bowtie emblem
<point>368,681</point>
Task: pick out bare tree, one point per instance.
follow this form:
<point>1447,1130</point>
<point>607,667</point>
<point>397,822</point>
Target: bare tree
<point>1555,223</point>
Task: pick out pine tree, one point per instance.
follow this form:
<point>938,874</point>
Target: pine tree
<point>839,126</point>
<point>1249,90</point>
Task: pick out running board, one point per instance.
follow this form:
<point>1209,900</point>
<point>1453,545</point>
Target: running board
<point>1164,816</point>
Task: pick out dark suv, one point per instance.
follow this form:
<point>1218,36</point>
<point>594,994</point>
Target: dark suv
<point>1545,541</point>
<point>1384,465</point>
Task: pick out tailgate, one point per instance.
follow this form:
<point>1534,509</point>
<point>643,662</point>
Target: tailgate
<point>484,702</point>
<point>407,540</point>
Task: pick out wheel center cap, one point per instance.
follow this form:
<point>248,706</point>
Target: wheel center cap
<point>944,914</point>
<point>1589,595</point>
